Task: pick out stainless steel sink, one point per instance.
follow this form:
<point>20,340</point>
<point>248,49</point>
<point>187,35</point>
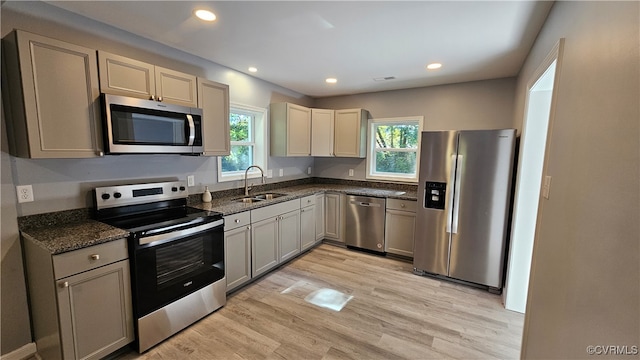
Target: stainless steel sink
<point>268,196</point>
<point>248,200</point>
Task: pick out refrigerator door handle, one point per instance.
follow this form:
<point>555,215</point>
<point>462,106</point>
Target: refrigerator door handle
<point>456,197</point>
<point>452,179</point>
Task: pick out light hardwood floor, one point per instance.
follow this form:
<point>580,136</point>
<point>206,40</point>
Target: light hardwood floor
<point>393,314</point>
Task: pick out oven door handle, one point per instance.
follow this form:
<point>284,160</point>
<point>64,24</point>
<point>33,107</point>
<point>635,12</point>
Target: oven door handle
<point>175,235</point>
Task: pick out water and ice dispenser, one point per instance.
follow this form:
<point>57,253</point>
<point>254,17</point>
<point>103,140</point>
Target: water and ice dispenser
<point>434,196</point>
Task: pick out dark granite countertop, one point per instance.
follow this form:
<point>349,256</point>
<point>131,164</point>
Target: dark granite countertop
<point>58,239</point>
<point>73,229</point>
<point>228,205</point>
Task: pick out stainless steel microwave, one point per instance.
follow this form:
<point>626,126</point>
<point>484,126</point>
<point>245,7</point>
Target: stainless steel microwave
<point>137,126</point>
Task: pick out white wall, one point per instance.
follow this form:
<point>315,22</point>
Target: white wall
<point>585,277</point>
<point>473,105</point>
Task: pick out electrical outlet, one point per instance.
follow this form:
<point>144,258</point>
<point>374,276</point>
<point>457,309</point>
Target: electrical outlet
<point>309,170</point>
<point>191,180</point>
<point>350,172</point>
<point>281,172</point>
<point>269,173</point>
<point>25,193</point>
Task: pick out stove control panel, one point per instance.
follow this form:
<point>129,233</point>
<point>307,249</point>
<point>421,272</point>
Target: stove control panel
<point>122,195</point>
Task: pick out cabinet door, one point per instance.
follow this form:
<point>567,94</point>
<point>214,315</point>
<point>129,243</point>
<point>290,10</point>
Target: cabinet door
<point>320,217</point>
<point>213,99</point>
<point>176,87</point>
<point>57,113</point>
<point>307,227</point>
<point>95,312</point>
<point>289,235</point>
<point>298,130</point>
<point>264,246</point>
<point>350,133</point>
<point>399,232</point>
<point>237,256</point>
<point>322,121</point>
<point>120,75</point>
<point>333,217</point>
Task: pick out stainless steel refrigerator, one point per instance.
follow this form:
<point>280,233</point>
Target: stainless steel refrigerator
<point>463,205</point>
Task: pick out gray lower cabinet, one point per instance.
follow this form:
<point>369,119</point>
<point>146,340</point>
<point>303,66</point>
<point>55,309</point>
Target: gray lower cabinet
<point>275,235</point>
<point>400,224</point>
<point>289,235</point>
<point>237,249</point>
<point>334,213</point>
<point>308,220</point>
<point>80,300</point>
<point>264,246</point>
<point>319,217</point>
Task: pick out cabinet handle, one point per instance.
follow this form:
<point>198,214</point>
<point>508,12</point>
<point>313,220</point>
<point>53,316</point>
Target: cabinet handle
<point>401,205</point>
<point>237,221</point>
<point>153,97</point>
<point>248,227</point>
<point>64,284</point>
<point>302,210</point>
<point>95,257</point>
<point>160,98</point>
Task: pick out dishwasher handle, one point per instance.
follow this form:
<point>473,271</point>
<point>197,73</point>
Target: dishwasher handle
<point>368,204</point>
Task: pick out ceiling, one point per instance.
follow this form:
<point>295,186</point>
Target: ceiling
<point>298,44</point>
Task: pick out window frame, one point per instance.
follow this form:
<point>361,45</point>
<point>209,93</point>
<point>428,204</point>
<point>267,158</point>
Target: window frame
<point>371,148</point>
<point>259,142</point>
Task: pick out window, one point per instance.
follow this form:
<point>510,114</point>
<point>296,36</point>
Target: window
<point>394,145</point>
<point>248,143</point>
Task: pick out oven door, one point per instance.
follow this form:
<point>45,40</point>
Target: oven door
<point>176,264</point>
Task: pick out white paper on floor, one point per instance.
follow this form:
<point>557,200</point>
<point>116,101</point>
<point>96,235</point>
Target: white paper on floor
<point>328,298</point>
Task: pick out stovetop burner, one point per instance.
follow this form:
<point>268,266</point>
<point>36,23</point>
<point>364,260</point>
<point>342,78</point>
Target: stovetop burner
<point>142,207</point>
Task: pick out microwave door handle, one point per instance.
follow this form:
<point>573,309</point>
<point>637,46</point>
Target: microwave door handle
<point>192,130</point>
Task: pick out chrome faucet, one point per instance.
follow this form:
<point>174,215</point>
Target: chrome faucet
<point>247,188</point>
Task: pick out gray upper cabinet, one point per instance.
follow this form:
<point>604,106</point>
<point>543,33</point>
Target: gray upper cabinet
<point>213,99</point>
<point>322,122</point>
<point>350,133</point>
<point>290,130</point>
<point>52,97</point>
<point>120,75</point>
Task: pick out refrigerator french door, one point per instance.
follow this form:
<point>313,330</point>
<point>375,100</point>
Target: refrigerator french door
<point>464,197</point>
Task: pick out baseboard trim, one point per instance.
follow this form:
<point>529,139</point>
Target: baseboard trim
<point>22,353</point>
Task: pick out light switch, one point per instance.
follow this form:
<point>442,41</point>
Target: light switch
<point>546,187</point>
<point>350,172</point>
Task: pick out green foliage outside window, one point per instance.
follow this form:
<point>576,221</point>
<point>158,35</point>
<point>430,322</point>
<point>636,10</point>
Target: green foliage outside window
<point>389,138</point>
<point>241,155</point>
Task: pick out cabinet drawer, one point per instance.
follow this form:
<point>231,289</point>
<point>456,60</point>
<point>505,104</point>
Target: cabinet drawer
<point>307,201</point>
<point>403,205</point>
<point>77,261</point>
<point>274,210</point>
<point>234,221</point>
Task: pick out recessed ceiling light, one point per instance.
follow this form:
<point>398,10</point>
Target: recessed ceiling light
<point>434,66</point>
<point>331,80</point>
<point>253,69</point>
<point>205,15</point>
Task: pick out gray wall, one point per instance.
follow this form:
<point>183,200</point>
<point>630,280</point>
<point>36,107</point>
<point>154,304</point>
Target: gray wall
<point>63,184</point>
<point>472,105</point>
<point>585,279</point>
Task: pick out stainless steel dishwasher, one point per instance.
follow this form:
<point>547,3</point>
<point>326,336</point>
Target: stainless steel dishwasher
<point>365,222</point>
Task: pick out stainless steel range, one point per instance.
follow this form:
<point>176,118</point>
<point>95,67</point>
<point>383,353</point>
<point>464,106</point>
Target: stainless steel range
<point>176,254</point>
